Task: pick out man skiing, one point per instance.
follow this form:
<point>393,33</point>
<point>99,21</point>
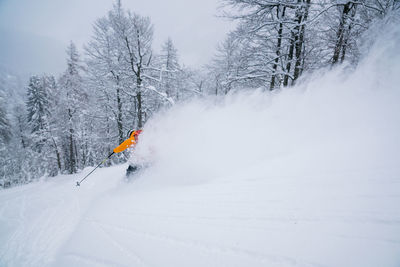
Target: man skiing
<point>131,141</point>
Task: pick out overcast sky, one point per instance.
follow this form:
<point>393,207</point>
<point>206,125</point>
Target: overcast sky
<point>35,33</point>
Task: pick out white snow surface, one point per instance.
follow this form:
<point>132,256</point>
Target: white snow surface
<point>309,176</point>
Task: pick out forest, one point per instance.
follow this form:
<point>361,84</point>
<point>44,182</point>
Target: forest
<point>60,124</point>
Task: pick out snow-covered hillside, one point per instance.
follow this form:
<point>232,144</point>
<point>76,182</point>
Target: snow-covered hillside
<point>309,176</point>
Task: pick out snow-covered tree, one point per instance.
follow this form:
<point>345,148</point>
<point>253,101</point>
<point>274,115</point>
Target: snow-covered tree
<point>272,37</point>
<point>105,67</point>
<point>5,131</point>
<point>227,68</point>
<point>138,54</point>
<point>122,67</point>
<point>38,108</point>
<point>277,40</point>
<point>71,107</point>
<point>170,69</point>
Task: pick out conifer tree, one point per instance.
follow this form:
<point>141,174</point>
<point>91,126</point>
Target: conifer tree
<point>71,107</point>
<point>38,112</point>
<point>170,69</point>
<point>5,131</point>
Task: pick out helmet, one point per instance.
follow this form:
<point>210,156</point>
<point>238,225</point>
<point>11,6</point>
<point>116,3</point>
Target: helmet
<point>134,133</point>
<point>129,133</point>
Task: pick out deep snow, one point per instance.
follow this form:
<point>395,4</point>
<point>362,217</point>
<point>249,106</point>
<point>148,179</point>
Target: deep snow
<point>308,176</point>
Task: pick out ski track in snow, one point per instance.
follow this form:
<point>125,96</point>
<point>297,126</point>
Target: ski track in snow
<point>246,222</point>
<point>208,247</point>
<point>47,214</point>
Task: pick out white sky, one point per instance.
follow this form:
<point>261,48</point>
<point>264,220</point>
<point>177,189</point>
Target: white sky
<point>45,27</point>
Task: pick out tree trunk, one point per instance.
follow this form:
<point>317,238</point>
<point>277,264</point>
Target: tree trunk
<point>278,46</point>
<point>347,37</point>
<point>140,112</point>
<point>139,100</point>
<point>289,58</point>
<point>57,154</point>
<point>72,167</point>
<point>119,116</point>
<point>341,31</point>
<point>77,160</point>
<point>302,18</point>
<point>21,132</point>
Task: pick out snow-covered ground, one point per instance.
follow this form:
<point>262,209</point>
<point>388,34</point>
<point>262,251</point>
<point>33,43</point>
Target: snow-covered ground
<point>306,177</point>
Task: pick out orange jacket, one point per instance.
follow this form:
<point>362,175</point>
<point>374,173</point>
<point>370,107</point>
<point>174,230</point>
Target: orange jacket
<point>132,140</point>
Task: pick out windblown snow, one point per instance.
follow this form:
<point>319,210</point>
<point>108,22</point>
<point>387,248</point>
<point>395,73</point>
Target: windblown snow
<point>308,176</point>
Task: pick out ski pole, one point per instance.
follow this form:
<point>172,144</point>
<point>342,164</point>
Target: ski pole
<point>79,183</point>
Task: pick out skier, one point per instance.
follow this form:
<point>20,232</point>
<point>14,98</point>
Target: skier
<point>131,141</point>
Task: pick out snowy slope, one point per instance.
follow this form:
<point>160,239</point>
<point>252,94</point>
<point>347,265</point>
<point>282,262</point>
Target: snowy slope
<point>306,177</point>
